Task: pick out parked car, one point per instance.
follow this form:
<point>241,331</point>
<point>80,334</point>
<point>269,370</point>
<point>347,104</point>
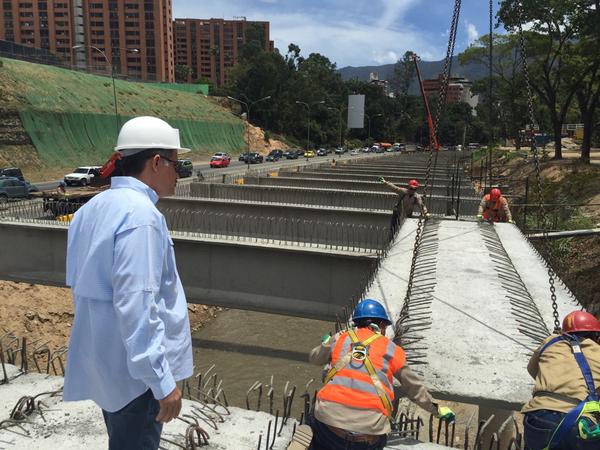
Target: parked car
<point>275,155</point>
<point>399,147</point>
<point>473,146</point>
<point>321,152</point>
<point>300,153</point>
<point>340,151</point>
<point>12,188</point>
<point>219,161</point>
<point>290,154</point>
<point>184,168</point>
<point>355,152</point>
<point>13,172</point>
<point>82,175</point>
<point>309,154</point>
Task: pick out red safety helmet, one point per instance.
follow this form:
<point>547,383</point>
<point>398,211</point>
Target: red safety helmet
<point>495,194</point>
<point>580,321</point>
<point>413,184</point>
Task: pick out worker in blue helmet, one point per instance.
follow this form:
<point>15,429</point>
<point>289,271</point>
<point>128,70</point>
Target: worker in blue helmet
<point>354,407</point>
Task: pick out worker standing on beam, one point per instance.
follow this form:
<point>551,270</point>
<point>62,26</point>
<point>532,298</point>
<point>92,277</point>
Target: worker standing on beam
<point>494,207</point>
<point>564,413</point>
<point>354,407</point>
<point>408,198</point>
<point>130,342</point>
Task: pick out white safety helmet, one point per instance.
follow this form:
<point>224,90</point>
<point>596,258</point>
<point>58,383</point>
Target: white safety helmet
<point>145,132</point>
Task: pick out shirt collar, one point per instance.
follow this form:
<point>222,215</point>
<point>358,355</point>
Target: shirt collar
<point>136,185</point>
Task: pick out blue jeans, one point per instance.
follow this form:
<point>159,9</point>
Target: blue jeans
<point>540,425</point>
<point>325,439</point>
<point>133,427</point>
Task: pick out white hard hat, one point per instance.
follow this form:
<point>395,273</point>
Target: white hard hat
<point>145,132</point>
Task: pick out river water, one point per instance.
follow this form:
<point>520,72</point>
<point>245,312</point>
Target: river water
<point>247,346</point>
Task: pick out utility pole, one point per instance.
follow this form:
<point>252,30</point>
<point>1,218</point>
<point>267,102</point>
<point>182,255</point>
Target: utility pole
<point>308,105</point>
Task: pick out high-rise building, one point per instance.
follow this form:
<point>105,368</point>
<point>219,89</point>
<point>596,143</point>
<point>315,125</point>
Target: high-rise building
<point>459,89</point>
<point>135,36</point>
<point>209,47</point>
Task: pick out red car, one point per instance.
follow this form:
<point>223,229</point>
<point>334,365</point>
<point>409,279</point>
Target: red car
<point>219,161</point>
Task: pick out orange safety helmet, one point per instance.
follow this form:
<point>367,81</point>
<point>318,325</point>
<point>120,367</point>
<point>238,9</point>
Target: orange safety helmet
<point>495,194</point>
<point>413,184</point>
<point>580,321</point>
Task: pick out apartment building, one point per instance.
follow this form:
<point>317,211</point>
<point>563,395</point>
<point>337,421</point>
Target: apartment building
<point>209,47</point>
<point>132,37</point>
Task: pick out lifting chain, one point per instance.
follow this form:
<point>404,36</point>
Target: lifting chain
<point>536,163</point>
<point>432,149</point>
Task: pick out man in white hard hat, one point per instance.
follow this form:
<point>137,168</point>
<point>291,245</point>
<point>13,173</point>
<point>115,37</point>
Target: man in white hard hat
<point>130,340</point>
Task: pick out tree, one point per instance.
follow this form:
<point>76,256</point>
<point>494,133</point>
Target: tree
<point>508,83</point>
<point>182,73</point>
<point>404,73</point>
<point>550,45</point>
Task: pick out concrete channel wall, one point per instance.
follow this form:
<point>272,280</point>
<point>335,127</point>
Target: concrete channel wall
<point>323,197</point>
<point>306,282</point>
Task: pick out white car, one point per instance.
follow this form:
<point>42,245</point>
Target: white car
<point>82,175</point>
<point>355,152</point>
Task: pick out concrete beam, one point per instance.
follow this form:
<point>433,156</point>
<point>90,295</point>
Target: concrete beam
<point>309,282</point>
<point>324,197</point>
<point>340,184</point>
<point>464,331</point>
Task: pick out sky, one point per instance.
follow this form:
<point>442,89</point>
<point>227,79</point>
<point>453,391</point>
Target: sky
<point>354,32</point>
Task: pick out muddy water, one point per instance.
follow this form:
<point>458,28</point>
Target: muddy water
<point>247,347</point>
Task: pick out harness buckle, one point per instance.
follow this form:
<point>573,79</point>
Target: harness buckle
<point>359,352</point>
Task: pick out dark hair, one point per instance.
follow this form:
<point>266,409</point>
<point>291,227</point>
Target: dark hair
<point>364,323</point>
<point>593,335</point>
<point>133,165</point>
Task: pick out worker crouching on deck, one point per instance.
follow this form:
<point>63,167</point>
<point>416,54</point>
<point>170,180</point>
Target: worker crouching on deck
<point>564,413</point>
<point>494,207</point>
<point>354,406</point>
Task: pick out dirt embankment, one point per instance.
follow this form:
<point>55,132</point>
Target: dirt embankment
<point>45,314</point>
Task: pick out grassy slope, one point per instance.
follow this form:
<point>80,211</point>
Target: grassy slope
<point>74,97</point>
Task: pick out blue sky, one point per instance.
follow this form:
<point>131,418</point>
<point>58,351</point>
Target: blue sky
<point>354,32</point>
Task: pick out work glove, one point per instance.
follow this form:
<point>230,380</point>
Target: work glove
<point>427,216</point>
<point>325,339</point>
<point>511,221</point>
<point>381,179</point>
<point>480,217</point>
<point>445,413</point>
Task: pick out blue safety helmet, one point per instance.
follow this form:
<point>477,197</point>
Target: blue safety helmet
<point>370,309</point>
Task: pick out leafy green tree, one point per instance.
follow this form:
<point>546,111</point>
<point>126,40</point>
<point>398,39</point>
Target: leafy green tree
<point>551,41</point>
<point>182,73</point>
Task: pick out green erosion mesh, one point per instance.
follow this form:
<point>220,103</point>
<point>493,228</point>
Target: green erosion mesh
<point>70,116</point>
<point>76,139</point>
<point>193,88</point>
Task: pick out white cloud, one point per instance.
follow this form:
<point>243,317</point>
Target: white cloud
<point>472,33</point>
<point>346,38</point>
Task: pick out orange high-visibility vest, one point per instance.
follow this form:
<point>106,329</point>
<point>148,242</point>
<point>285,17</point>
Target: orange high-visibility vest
<point>352,385</point>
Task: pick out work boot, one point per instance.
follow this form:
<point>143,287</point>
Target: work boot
<point>302,438</point>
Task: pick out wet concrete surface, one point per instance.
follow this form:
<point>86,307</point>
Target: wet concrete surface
<point>247,347</point>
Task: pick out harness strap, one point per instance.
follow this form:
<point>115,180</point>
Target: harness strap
<point>589,405</point>
<point>345,360</point>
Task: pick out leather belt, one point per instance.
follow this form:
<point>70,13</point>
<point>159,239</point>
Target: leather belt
<point>353,437</point>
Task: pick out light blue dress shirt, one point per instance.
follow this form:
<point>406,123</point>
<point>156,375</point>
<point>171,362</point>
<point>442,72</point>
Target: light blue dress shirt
<point>131,330</point>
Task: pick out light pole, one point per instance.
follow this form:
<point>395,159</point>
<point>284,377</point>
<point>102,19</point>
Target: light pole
<point>369,119</point>
<point>308,105</point>
<point>248,105</point>
<point>340,111</point>
<point>112,74</point>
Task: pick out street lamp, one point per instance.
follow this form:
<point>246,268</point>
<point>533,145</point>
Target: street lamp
<point>308,105</point>
<point>112,73</point>
<point>369,119</point>
<point>248,105</point>
<point>340,111</point>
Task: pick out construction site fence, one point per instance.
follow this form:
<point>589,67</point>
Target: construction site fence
<point>88,138</point>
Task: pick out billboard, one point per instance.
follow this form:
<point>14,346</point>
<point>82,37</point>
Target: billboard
<point>356,111</point>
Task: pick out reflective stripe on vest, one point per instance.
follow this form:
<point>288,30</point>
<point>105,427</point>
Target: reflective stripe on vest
<point>365,382</point>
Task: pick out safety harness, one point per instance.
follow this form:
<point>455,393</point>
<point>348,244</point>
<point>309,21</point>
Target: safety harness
<point>360,351</point>
<point>591,404</point>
